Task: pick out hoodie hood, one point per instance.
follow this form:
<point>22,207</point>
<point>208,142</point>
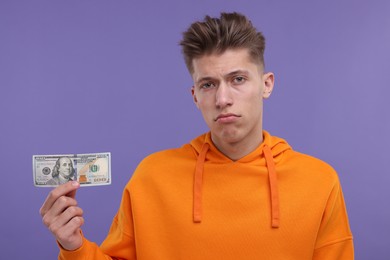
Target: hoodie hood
<point>270,153</point>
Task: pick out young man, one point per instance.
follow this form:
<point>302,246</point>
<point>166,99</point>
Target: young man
<point>233,193</point>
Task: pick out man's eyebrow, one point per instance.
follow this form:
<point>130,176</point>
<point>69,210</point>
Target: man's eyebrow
<point>203,79</point>
<point>237,72</point>
<point>230,74</point>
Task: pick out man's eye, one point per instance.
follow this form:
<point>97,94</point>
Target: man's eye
<point>239,79</point>
<point>207,85</point>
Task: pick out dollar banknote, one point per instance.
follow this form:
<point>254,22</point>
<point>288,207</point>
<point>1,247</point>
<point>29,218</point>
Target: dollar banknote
<point>88,169</point>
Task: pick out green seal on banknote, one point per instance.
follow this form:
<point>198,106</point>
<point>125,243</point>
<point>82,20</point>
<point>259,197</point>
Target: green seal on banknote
<point>94,168</point>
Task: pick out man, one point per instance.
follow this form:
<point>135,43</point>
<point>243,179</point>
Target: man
<point>233,193</point>
<point>63,171</point>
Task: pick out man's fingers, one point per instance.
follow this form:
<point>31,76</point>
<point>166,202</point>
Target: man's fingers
<point>62,220</point>
<point>72,193</point>
<point>69,236</point>
<point>67,189</point>
<point>70,229</point>
<point>59,207</point>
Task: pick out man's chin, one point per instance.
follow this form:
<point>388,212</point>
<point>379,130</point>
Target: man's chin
<point>227,137</point>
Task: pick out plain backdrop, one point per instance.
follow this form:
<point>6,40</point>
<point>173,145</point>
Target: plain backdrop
<point>108,76</point>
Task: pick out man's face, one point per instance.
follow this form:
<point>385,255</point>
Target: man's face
<point>229,89</point>
<point>65,167</point>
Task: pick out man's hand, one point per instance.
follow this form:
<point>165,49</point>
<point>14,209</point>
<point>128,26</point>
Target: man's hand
<point>62,216</point>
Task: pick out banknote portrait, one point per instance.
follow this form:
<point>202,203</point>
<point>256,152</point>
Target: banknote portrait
<point>63,171</point>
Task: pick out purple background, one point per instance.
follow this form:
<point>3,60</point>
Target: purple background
<point>97,76</point>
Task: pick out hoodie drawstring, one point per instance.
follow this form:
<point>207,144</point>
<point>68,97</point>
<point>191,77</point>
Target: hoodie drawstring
<point>198,183</point>
<point>273,185</point>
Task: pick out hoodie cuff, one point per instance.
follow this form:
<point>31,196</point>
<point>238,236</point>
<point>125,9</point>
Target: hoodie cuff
<point>79,253</point>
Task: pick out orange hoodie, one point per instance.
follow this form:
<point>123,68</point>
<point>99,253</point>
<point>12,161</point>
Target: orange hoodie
<point>195,203</point>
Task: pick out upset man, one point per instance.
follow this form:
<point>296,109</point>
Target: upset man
<point>236,192</point>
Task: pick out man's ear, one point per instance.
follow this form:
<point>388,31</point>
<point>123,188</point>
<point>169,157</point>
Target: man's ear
<point>268,80</point>
<point>194,96</point>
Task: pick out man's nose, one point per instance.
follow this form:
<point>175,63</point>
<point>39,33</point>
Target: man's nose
<point>223,96</point>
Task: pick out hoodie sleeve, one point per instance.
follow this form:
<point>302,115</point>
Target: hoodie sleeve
<point>119,243</point>
<point>334,240</point>
<point>88,250</point>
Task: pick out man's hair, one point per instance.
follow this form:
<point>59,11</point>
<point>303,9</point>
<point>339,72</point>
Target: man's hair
<point>216,35</point>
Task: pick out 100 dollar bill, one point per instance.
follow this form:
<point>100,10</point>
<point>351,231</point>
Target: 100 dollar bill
<point>88,169</point>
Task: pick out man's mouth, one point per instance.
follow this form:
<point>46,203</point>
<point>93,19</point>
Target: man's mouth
<point>226,118</point>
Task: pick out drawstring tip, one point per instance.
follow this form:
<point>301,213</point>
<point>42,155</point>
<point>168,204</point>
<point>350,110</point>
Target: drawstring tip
<point>275,223</point>
<point>197,219</point>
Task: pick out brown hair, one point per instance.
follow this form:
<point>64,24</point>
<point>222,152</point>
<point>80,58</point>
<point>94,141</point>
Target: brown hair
<point>216,35</point>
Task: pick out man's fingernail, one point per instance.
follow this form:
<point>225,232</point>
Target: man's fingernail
<point>75,183</point>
